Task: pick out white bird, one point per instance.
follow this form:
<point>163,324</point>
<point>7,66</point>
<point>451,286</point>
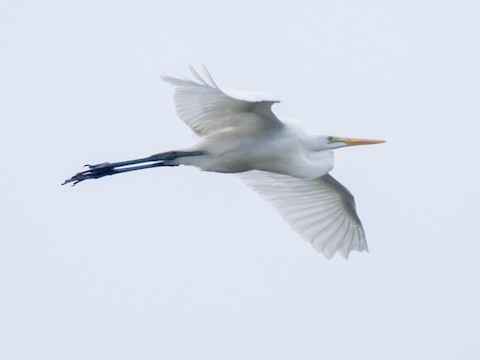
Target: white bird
<point>239,133</point>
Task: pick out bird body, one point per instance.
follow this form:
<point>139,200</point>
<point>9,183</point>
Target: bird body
<point>276,150</point>
<point>239,133</point>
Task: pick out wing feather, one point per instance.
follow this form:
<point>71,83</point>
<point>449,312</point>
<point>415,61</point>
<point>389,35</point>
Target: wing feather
<point>321,210</point>
<point>207,108</point>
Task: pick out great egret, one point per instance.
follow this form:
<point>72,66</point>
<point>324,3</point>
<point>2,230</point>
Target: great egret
<point>239,133</point>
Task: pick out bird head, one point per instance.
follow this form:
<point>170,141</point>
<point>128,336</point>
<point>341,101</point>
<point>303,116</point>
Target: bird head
<point>335,142</point>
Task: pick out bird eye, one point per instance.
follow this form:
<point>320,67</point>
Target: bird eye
<point>330,138</point>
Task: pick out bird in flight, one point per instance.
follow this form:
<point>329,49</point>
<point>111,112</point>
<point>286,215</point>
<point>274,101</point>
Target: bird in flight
<point>239,133</point>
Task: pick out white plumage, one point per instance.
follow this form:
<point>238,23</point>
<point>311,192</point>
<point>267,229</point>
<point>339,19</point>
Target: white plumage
<point>321,210</point>
<point>239,133</point>
<point>208,109</point>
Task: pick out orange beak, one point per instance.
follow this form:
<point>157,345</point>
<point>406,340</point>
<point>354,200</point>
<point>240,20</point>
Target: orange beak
<point>352,141</point>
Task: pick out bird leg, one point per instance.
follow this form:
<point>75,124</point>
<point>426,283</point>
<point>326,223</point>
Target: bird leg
<point>106,169</point>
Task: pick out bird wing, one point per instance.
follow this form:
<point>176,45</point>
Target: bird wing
<point>206,108</point>
<point>322,210</point>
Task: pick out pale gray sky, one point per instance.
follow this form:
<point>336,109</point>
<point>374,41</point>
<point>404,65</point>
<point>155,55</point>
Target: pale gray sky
<point>179,264</point>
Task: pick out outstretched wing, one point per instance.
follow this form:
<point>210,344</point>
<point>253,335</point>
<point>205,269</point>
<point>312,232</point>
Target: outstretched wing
<point>321,210</point>
<point>206,108</point>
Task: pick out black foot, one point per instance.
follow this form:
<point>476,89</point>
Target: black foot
<point>93,172</point>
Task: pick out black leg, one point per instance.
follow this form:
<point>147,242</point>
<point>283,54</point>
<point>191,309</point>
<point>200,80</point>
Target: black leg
<point>106,169</point>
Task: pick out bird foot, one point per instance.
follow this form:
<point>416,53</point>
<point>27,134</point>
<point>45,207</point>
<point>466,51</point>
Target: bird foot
<point>93,172</point>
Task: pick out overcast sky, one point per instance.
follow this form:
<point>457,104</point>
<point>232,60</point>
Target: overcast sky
<point>174,263</point>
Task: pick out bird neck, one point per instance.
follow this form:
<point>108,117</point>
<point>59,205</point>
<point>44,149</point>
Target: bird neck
<point>316,143</point>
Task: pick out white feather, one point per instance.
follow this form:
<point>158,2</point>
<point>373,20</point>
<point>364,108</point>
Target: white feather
<point>322,210</point>
<point>207,109</point>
